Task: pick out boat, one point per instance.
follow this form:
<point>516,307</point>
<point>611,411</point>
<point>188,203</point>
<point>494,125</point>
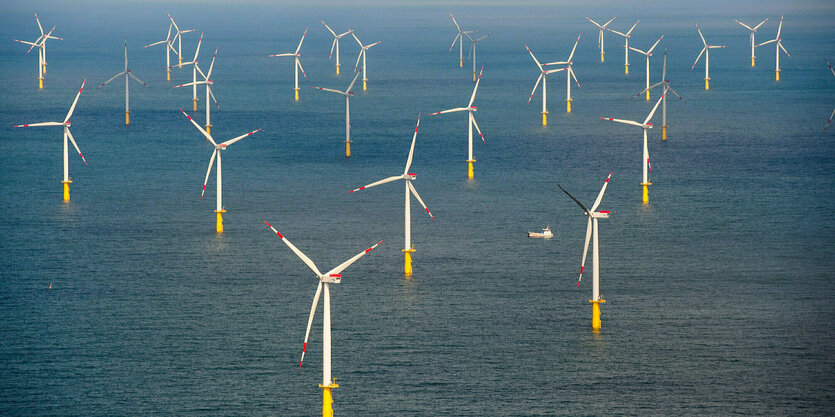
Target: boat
<point>545,233</point>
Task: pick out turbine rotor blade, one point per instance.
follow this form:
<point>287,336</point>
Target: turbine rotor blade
<point>72,108</point>
<point>600,196</point>
<point>231,141</point>
<point>208,172</point>
<point>698,58</point>
<point>472,98</point>
<point>585,252</point>
<point>420,200</point>
<point>72,139</point>
<point>111,79</point>
<point>536,84</point>
<point>532,56</point>
<point>412,148</point>
<point>208,136</point>
<point>350,86</point>
<point>298,253</point>
<point>348,263</point>
<point>383,181</point>
<point>655,108</point>
<point>472,119</point>
<point>585,209</point>
<point>302,40</point>
<point>310,320</point>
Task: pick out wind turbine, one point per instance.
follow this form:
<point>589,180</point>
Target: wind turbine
<point>542,77</point>
<point>193,63</point>
<point>297,65</point>
<point>335,43</point>
<point>473,44</point>
<point>216,154</point>
<point>67,135</point>
<point>410,189</point>
<point>648,54</point>
<point>128,74</point>
<point>347,93</point>
<point>706,52</point>
<point>833,111</point>
<point>591,229</point>
<point>470,123</point>
<point>44,37</point>
<point>334,276</point>
<point>667,88</point>
<point>363,53</point>
<point>40,43</point>
<point>460,39</point>
<point>626,37</point>
<point>645,125</point>
<point>209,94</point>
<point>569,68</point>
<point>600,36</point>
<point>178,36</point>
<point>753,31</point>
<point>779,41</point>
<point>168,49</point>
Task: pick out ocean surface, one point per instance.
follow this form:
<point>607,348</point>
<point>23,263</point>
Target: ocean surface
<point>719,293</point>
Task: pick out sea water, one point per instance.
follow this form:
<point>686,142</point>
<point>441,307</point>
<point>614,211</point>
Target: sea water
<point>125,301</point>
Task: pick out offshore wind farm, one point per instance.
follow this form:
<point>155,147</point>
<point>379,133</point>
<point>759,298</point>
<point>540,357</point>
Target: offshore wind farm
<point>126,300</point>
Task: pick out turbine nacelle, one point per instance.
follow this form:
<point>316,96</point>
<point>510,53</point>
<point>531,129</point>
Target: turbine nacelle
<point>410,176</point>
<point>331,278</point>
<point>603,214</point>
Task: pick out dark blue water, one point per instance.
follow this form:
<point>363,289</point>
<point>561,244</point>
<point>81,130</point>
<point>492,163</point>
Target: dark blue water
<point>719,292</point>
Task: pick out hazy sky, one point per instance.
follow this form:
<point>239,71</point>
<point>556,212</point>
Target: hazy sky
<point>614,6</point>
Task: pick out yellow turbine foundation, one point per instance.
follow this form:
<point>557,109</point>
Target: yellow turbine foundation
<point>297,93</point>
<point>44,68</point>
<point>364,87</point>
<point>327,399</point>
<point>180,63</point>
<point>664,132</point>
<point>752,61</point>
<point>474,78</point>
<point>168,75</point>
<point>647,95</point>
<point>707,83</point>
<point>127,118</point>
<point>645,194</point>
<point>626,69</point>
<point>209,129</point>
<point>545,118</point>
<point>407,261</point>
<point>67,190</point>
<point>470,168</point>
<point>568,105</point>
<point>601,57</point>
<point>219,224</point>
<point>195,104</point>
<point>595,314</point>
<point>461,63</point>
<point>348,148</point>
<point>777,75</point>
<point>337,70</point>
<point>40,82</point>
